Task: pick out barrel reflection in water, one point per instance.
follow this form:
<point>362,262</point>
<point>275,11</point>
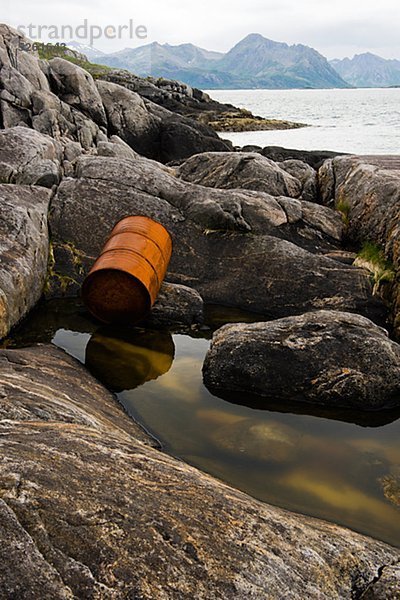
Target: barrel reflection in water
<point>123,359</point>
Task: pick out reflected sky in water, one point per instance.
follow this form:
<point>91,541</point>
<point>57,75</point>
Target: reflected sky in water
<point>343,466</point>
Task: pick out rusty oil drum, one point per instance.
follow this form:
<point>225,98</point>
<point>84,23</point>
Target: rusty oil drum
<point>124,282</point>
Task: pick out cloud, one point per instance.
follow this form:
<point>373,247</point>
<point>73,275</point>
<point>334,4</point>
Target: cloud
<point>333,28</point>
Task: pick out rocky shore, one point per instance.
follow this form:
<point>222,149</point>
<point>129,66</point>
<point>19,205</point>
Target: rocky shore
<point>89,507</point>
<point>196,104</point>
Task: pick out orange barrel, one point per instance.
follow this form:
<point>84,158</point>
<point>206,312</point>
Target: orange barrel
<point>124,282</point>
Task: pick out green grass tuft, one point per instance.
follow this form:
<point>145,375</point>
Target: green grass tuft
<point>372,257</point>
<point>344,208</point>
<point>47,52</point>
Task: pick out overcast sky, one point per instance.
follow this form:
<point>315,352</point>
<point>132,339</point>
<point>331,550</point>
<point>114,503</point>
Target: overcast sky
<point>336,28</point>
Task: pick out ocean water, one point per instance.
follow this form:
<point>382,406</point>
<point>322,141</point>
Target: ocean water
<point>360,121</point>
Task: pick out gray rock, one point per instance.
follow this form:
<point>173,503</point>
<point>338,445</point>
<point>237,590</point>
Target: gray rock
<point>239,170</point>
<point>255,271</point>
<point>177,305</point>
<point>26,99</point>
<point>72,150</point>
<point>181,137</point>
<point>9,42</point>
<point>56,118</point>
<point>11,116</point>
<point>90,510</point>
<point>76,87</point>
<point>15,82</point>
<point>117,148</point>
<point>129,118</point>
<point>323,357</point>
<point>15,88</point>
<point>24,247</point>
<point>369,198</point>
<point>60,99</point>
<point>28,157</point>
<point>215,210</point>
<point>314,158</point>
<point>28,65</point>
<point>305,174</point>
<point>386,585</point>
<point>151,130</point>
<point>15,97</point>
<point>326,183</point>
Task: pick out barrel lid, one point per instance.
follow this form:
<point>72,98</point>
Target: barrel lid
<point>115,296</point>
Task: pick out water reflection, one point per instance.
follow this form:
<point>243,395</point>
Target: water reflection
<point>341,466</point>
<point>49,317</point>
<point>363,418</point>
<point>122,359</point>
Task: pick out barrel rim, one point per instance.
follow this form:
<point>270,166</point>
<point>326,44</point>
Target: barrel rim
<point>149,219</point>
<point>93,273</point>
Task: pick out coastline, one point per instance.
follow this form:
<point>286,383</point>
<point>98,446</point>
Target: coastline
<point>93,507</point>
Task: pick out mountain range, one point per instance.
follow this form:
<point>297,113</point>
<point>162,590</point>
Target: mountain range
<point>255,62</point>
<point>368,70</point>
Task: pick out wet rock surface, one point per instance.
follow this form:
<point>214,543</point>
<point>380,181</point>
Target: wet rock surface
<point>85,501</point>
<point>270,441</point>
<point>323,357</point>
<point>177,304</point>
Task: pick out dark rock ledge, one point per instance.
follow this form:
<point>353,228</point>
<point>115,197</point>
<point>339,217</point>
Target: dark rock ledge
<point>89,509</point>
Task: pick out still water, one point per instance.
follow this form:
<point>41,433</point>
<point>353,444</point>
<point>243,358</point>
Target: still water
<point>360,121</point>
<point>343,467</point>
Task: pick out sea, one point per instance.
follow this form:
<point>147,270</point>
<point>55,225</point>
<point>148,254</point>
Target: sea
<point>357,121</point>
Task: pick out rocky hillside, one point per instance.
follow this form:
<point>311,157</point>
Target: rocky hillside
<point>191,102</point>
<point>176,96</point>
<point>255,62</point>
<point>368,70</point>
